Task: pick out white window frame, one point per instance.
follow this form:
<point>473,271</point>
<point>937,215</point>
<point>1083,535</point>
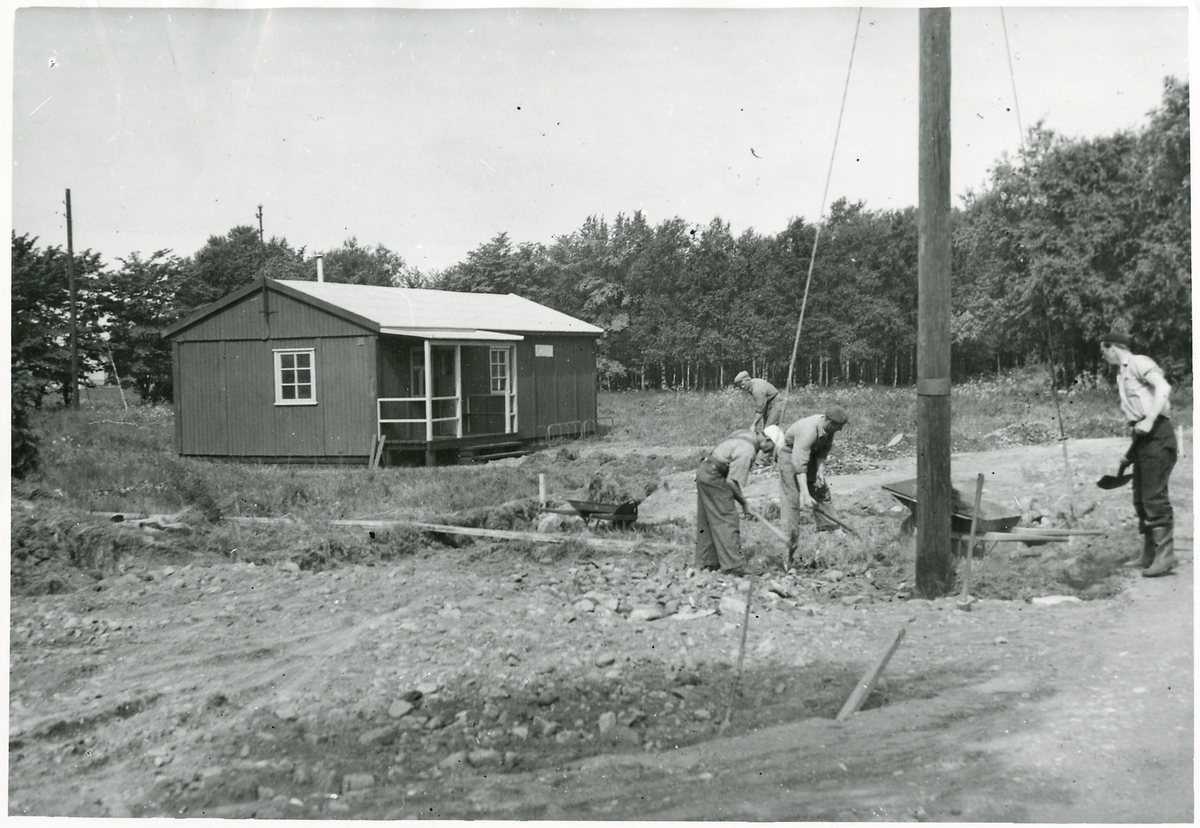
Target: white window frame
<point>416,370</point>
<point>312,363</point>
<point>507,363</point>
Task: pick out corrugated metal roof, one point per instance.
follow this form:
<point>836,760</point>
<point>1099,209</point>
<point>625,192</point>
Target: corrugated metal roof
<point>393,307</point>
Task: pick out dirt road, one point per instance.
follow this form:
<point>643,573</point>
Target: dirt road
<point>465,683</point>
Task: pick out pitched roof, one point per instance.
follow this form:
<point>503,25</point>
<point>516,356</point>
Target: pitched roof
<point>408,308</point>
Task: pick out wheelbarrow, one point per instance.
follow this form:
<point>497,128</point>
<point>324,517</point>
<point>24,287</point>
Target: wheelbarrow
<point>621,514</point>
<point>995,524</point>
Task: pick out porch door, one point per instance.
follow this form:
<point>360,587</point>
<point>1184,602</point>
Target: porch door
<point>489,390</point>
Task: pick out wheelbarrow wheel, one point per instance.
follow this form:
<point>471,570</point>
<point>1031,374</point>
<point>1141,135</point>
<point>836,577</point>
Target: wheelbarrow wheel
<point>908,525</point>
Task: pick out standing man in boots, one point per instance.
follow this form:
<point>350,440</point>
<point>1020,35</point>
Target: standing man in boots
<point>1145,403</point>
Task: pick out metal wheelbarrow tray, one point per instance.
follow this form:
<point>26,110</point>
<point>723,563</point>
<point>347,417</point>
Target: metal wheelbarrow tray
<point>616,513</point>
<point>996,524</point>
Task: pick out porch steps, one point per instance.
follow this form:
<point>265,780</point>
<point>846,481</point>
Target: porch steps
<point>497,451</point>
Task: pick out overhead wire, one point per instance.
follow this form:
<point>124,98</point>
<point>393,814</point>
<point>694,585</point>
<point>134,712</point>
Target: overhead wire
<point>824,196</point>
<point>1062,432</point>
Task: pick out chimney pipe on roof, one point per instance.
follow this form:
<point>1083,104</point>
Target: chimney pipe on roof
<point>320,268</point>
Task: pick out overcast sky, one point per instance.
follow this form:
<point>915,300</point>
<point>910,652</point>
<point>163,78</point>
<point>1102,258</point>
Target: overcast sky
<point>430,131</point>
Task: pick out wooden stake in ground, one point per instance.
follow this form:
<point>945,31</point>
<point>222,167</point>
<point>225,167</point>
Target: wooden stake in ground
<point>737,677</point>
<point>867,683</point>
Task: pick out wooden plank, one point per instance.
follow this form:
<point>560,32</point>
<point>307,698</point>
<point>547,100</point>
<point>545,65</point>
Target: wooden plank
<point>497,534</point>
<point>606,544</point>
<point>867,683</point>
<point>1016,537</point>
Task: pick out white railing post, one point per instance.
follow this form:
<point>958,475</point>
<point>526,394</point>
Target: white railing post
<point>428,392</point>
<point>458,398</point>
<point>510,403</point>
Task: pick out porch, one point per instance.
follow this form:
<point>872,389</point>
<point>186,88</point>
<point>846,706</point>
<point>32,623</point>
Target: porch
<point>455,397</point>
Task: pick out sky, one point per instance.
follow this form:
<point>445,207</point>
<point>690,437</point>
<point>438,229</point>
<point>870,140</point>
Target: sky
<point>431,130</point>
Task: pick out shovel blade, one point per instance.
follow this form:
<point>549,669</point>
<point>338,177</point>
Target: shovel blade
<point>1113,481</point>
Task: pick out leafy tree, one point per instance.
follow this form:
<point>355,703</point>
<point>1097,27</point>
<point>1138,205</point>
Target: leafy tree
<point>41,325</point>
<point>227,262</point>
<point>496,267</point>
<point>357,265</point>
<point>137,304</point>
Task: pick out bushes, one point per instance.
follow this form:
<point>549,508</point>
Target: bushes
<point>25,456</point>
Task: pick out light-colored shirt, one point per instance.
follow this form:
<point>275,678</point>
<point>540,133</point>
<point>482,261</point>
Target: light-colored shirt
<point>1137,393</point>
<point>807,441</point>
<point>738,451</point>
<point>762,392</point>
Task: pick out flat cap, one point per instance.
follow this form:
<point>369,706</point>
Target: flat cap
<point>1116,338</point>
<point>837,414</point>
<point>742,375</point>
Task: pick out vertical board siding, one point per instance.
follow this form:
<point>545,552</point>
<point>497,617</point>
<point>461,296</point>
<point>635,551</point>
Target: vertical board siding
<point>202,398</point>
<point>176,396</point>
<point>345,381</point>
<point>527,410</point>
<point>288,318</point>
<point>250,380</point>
<point>585,377</point>
<point>299,429</point>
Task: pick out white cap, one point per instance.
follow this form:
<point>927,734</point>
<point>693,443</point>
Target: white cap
<point>775,435</point>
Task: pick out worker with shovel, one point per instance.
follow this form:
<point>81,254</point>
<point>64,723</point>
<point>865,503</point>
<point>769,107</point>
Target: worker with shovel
<point>806,444</point>
<point>768,407</point>
<point>1145,403</point>
<point>719,482</point>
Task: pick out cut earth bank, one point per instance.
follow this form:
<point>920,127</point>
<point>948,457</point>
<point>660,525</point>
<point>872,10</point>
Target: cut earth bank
<point>474,683</point>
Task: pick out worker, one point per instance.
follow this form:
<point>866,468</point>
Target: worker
<point>719,482</point>
<point>805,446</point>
<point>768,407</point>
<point>1146,405</point>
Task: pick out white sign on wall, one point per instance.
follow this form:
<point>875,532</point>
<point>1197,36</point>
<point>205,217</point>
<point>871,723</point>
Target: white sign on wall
<point>543,350</point>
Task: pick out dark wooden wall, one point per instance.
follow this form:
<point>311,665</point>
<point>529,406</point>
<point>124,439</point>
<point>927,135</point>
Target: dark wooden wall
<point>225,397</point>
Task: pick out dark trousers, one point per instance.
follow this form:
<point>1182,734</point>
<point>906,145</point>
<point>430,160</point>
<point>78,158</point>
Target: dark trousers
<point>789,499</point>
<point>718,527</point>
<point>773,413</point>
<point>1153,458</point>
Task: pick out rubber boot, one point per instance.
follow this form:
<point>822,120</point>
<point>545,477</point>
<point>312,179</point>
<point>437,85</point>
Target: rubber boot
<point>1147,556</point>
<point>1164,552</point>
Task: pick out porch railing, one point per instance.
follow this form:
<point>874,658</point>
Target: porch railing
<point>428,419</point>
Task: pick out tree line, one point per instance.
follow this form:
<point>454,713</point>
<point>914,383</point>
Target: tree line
<point>1065,241</point>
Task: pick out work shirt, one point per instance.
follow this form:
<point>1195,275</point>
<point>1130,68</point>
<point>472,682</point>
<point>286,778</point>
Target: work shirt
<point>762,392</point>
<point>1133,384</point>
<point>808,441</point>
<point>737,451</point>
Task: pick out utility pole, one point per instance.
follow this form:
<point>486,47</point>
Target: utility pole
<point>74,323</point>
<point>260,233</point>
<point>935,571</point>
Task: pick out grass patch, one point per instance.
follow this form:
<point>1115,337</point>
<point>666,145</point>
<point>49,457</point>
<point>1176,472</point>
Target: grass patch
<point>109,458</point>
<point>1015,408</point>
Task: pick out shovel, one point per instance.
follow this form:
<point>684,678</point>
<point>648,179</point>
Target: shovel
<point>1116,481</point>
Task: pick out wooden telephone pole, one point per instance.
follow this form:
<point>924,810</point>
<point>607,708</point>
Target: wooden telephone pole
<point>935,571</point>
<point>74,322</point>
